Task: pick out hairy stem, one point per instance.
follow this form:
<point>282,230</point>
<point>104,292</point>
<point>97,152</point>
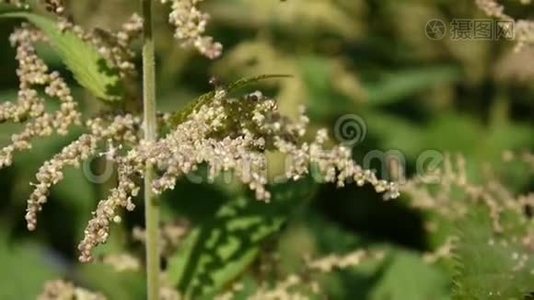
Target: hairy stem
<point>150,124</point>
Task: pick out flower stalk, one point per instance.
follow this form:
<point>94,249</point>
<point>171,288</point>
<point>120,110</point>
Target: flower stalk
<point>150,131</point>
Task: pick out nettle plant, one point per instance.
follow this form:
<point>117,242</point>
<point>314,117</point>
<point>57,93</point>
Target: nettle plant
<point>480,231</point>
<point>228,133</point>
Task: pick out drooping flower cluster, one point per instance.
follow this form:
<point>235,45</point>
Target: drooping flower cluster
<point>30,106</point>
<point>224,133</point>
<point>29,109</point>
<point>121,129</point>
<point>113,46</point>
<point>523,29</point>
<point>97,230</point>
<point>190,24</point>
<point>234,135</point>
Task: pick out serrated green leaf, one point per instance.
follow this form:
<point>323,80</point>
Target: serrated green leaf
<point>489,265</point>
<point>218,251</point>
<point>82,59</point>
<point>180,116</point>
<point>248,81</point>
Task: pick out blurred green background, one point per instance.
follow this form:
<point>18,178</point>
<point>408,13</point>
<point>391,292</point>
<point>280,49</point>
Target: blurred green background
<point>365,57</point>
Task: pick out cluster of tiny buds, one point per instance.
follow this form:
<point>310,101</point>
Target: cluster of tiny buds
<point>190,24</point>
<point>227,135</point>
<point>115,46</point>
<point>122,128</point>
<point>456,196</point>
<point>453,176</point>
<point>55,6</point>
<point>122,262</point>
<point>29,108</point>
<point>524,29</point>
<point>334,261</point>
<point>97,230</point>
<point>291,286</point>
<point>60,289</point>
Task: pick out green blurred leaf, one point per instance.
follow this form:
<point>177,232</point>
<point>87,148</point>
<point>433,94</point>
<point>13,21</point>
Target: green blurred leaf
<point>78,196</point>
<point>84,61</point>
<point>399,85</point>
<point>221,249</point>
<point>408,277</point>
<point>394,132</point>
<point>24,269</point>
<point>324,100</point>
<point>113,284</point>
<point>454,133</point>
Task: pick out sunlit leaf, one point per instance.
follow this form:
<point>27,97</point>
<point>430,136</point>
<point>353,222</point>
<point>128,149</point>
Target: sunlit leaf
<point>180,116</point>
<point>219,250</point>
<point>82,59</point>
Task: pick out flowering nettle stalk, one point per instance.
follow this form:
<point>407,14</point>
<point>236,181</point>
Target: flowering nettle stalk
<point>228,135</point>
<point>225,133</point>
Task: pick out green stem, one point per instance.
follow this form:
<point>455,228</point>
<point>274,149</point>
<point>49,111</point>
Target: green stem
<point>150,129</point>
